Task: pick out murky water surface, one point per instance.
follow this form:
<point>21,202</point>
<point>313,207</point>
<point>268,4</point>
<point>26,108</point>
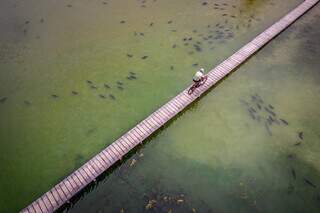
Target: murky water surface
<point>75,75</point>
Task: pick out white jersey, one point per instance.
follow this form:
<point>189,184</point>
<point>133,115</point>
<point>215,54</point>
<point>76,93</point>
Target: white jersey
<point>198,76</point>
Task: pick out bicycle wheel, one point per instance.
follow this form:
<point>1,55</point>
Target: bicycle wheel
<point>191,90</point>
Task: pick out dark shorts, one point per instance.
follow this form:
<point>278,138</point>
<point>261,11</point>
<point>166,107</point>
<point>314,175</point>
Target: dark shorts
<point>196,81</point>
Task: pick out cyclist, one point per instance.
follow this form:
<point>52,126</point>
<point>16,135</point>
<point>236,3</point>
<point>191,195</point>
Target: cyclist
<point>197,78</point>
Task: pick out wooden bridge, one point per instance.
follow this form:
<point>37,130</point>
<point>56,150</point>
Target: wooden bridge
<point>71,185</point>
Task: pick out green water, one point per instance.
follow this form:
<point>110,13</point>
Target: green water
<point>54,119</point>
<point>216,158</point>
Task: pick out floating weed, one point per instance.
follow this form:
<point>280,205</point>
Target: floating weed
<point>131,77</point>
<point>27,103</point>
<point>300,135</point>
<point>3,99</point>
<point>260,111</point>
<point>293,173</point>
<point>102,96</point>
<point>91,131</point>
<point>297,143</point>
<point>284,121</point>
<point>290,188</point>
<point>309,183</point>
<point>112,97</point>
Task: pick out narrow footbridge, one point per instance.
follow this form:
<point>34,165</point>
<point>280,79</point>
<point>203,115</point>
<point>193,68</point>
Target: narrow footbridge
<point>71,185</point>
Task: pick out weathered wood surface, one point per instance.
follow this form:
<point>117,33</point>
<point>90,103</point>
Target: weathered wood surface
<point>63,191</point>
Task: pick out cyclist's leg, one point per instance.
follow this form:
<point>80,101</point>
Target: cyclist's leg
<point>196,83</point>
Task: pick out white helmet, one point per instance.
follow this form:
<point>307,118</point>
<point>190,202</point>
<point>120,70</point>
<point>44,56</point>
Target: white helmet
<point>201,70</point>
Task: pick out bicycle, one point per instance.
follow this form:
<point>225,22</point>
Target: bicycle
<point>198,84</point>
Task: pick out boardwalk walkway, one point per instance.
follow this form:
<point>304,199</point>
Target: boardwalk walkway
<point>67,188</point>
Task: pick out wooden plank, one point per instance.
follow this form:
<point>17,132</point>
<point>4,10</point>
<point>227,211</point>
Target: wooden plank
<point>181,102</point>
<point>91,168</point>
<point>32,208</point>
<point>138,133</point>
<point>97,164</point>
<point>64,189</point>
<point>107,157</point>
<point>176,104</point>
<point>68,186</point>
<point>175,108</point>
<point>105,163</point>
<point>146,127</point>
<point>135,135</point>
<point>56,196</point>
<point>47,203</point>
<point>116,149</point>
<point>142,129</point>
<point>125,141</point>
<point>76,180</point>
<point>142,126</point>
<point>120,148</point>
<point>36,207</point>
<point>129,138</point>
<point>72,182</point>
<point>80,175</point>
<point>28,209</point>
<point>86,173</point>
<point>51,199</point>
<point>159,117</point>
<point>150,124</point>
<point>113,151</point>
<point>42,205</point>
<point>60,193</point>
